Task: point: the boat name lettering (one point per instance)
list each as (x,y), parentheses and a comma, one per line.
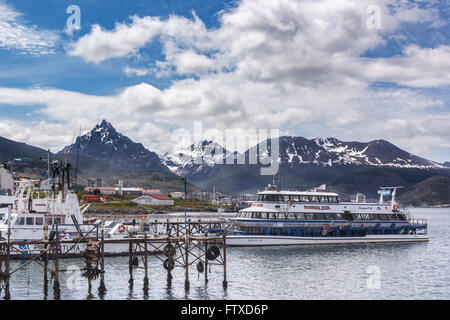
(317,207)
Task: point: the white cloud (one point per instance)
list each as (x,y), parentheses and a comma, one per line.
(418,67)
(129,71)
(15,34)
(293,65)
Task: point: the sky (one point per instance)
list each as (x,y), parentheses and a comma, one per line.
(355,70)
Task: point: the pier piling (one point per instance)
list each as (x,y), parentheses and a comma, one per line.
(102,287)
(181,251)
(130,262)
(145,264)
(56,288)
(206,261)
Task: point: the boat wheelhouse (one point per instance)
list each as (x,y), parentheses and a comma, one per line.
(316,217)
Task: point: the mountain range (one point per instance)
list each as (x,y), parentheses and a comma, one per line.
(347,167)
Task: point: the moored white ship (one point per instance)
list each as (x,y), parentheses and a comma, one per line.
(302,218)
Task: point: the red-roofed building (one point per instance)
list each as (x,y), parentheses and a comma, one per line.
(154,199)
(152,191)
(103,190)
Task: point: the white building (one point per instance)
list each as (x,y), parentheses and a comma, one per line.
(154,199)
(6,180)
(177,195)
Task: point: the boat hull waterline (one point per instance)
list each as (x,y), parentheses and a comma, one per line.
(255,241)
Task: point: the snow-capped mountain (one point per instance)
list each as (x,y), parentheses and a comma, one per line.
(331,151)
(104,143)
(197,160)
(296,151)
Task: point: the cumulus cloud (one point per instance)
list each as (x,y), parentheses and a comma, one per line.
(16,34)
(294,65)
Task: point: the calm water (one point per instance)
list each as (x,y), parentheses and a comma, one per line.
(407,271)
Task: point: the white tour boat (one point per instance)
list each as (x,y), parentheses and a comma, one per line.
(317,217)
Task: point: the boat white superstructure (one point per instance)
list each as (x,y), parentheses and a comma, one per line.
(283,217)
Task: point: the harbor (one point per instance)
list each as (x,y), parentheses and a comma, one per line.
(407,271)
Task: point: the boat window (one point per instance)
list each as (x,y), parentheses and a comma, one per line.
(354,216)
(281,216)
(256,215)
(57,220)
(260,197)
(300,216)
(339,216)
(314,198)
(291,216)
(320,216)
(30,221)
(392,217)
(309,216)
(304,198)
(322,199)
(382,217)
(329,216)
(286,197)
(272,215)
(20,221)
(48,221)
(295,198)
(263,215)
(39,221)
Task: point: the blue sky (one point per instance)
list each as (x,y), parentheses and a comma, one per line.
(309,68)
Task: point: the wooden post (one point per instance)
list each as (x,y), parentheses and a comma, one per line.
(225,283)
(130,262)
(145,264)
(102,287)
(169,273)
(206,260)
(186,266)
(7,268)
(45,257)
(56,289)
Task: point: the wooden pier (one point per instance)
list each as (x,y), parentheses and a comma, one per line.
(181,248)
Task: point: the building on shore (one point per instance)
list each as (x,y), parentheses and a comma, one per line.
(177,195)
(103,190)
(6,180)
(151,191)
(154,199)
